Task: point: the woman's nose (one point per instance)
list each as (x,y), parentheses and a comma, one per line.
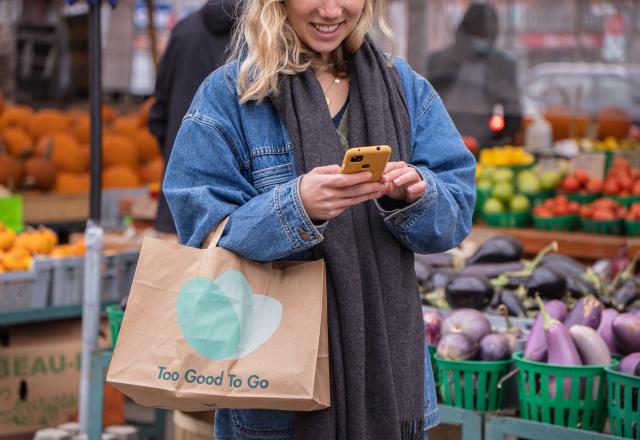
(330,9)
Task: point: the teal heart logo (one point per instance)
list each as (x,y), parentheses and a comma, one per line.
(223,319)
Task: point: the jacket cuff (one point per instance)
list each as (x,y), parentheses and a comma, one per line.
(403,219)
(293,218)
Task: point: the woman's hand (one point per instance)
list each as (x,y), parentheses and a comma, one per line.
(403,182)
(325,193)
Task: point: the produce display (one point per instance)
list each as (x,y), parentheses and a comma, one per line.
(506,156)
(48,150)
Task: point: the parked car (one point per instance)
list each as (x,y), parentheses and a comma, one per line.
(587,87)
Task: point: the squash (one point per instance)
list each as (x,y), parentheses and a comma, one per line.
(15,116)
(152,171)
(109,114)
(81,128)
(119,176)
(16,259)
(37,242)
(126,126)
(72,183)
(147,144)
(17,141)
(613,122)
(118,150)
(11,172)
(39,173)
(63,151)
(7,238)
(48,121)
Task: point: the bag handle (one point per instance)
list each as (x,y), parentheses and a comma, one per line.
(214,236)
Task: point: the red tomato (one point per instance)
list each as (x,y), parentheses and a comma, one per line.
(611,187)
(570,184)
(594,186)
(582,176)
(602,214)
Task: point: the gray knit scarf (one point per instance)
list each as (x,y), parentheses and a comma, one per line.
(374,314)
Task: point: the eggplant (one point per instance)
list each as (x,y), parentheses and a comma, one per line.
(626,331)
(422,271)
(605,329)
(436,260)
(438,279)
(587,311)
(579,287)
(547,282)
(492,270)
(432,327)
(464,291)
(561,349)
(511,332)
(468,321)
(564,264)
(536,347)
(625,294)
(494,347)
(631,364)
(592,348)
(497,250)
(513,304)
(457,346)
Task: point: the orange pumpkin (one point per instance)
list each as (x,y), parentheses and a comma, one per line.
(17,141)
(126,126)
(118,150)
(80,128)
(11,172)
(39,173)
(71,183)
(119,176)
(63,151)
(48,121)
(16,116)
(152,171)
(148,145)
(109,114)
(16,259)
(7,238)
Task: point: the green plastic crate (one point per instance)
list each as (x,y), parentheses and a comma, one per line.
(632,228)
(625,201)
(602,227)
(582,198)
(583,406)
(623,404)
(472,385)
(559,223)
(538,199)
(115,315)
(508,219)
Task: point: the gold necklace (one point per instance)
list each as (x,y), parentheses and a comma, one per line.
(335,80)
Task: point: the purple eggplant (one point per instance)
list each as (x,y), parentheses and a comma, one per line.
(512,303)
(605,329)
(631,364)
(536,347)
(494,347)
(626,331)
(593,349)
(435,260)
(438,279)
(492,270)
(432,327)
(468,321)
(587,311)
(547,282)
(626,294)
(566,264)
(469,291)
(457,346)
(497,250)
(561,349)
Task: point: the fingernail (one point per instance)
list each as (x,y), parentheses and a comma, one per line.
(397,181)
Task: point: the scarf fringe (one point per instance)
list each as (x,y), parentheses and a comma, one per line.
(412,429)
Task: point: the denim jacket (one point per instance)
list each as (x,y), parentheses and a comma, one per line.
(236,160)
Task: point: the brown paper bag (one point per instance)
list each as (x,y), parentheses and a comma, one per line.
(205,328)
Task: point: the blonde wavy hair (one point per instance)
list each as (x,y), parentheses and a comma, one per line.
(266,46)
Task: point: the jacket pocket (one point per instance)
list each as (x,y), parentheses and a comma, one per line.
(266,178)
(263,423)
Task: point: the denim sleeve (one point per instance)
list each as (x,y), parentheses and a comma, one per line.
(441,218)
(207,180)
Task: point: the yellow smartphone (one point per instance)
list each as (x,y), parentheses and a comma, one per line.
(373,159)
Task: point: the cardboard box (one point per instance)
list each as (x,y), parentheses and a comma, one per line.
(39,375)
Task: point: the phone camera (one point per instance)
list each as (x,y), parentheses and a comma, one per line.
(357,158)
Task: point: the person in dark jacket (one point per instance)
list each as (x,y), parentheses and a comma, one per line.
(475,79)
(197,46)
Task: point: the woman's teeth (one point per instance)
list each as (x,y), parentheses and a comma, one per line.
(326,29)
